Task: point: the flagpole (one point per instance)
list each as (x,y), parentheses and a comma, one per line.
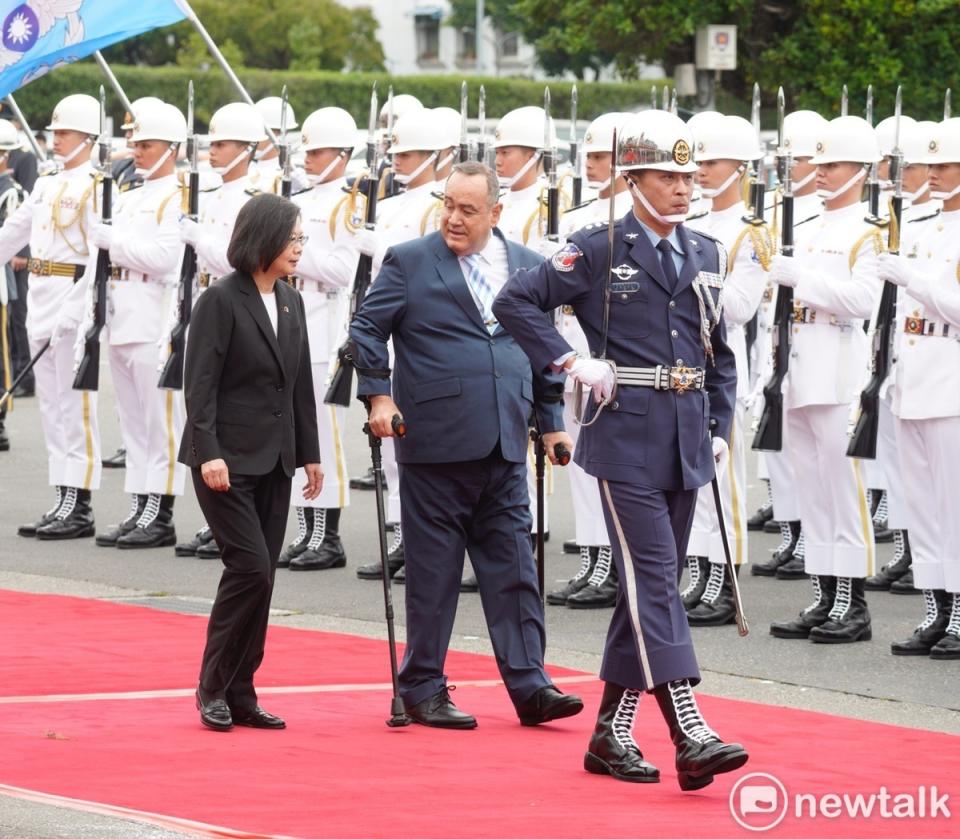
(114,83)
(31,139)
(218,56)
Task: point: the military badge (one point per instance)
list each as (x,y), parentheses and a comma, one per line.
(624,272)
(681,153)
(934,148)
(565,259)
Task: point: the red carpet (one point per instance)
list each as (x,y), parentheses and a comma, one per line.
(339,771)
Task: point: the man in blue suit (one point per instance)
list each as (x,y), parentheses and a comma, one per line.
(466,391)
(661,371)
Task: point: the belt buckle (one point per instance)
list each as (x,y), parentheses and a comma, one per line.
(914,326)
(798,312)
(203,280)
(683,379)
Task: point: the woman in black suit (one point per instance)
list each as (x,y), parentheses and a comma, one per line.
(251,420)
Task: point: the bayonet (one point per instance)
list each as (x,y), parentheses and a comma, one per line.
(947,105)
(674,109)
(286,177)
(191,136)
(372,129)
(653,98)
(665,99)
(550,169)
(575,161)
(844,103)
(464,144)
(104,139)
(756,168)
(482,120)
(870,104)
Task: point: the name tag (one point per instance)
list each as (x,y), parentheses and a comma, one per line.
(626,287)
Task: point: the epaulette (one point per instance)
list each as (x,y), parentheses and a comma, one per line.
(876,221)
(252,190)
(934,214)
(695,216)
(439,195)
(594,227)
(756,221)
(210,188)
(126,186)
(47,174)
(583,204)
(301,191)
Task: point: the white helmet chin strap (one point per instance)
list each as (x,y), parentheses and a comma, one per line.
(599,186)
(405,179)
(713,193)
(146,174)
(314,180)
(676,218)
(804,180)
(507,183)
(223,170)
(946,196)
(446,161)
(829,196)
(913,196)
(64,159)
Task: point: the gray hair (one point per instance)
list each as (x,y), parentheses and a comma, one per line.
(472,168)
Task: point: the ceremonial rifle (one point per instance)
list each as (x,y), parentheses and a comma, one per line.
(947,104)
(863,442)
(575,161)
(757,187)
(873,177)
(653,98)
(88,370)
(482,120)
(844,101)
(171,377)
(286,164)
(28,132)
(769,436)
(665,99)
(341,383)
(464,142)
(550,170)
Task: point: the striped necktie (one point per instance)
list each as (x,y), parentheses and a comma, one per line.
(482,291)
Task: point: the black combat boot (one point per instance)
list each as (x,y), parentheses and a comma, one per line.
(588,560)
(30,530)
(4,439)
(698,571)
(209,550)
(904,585)
(701,753)
(849,619)
(896,568)
(74,519)
(324,550)
(600,592)
(814,615)
(794,568)
(716,607)
(948,647)
(374,570)
(571,547)
(118,460)
(763,514)
(612,749)
(881,531)
(154,527)
(931,630)
(110,537)
(200,538)
(298,545)
(782,554)
(366,481)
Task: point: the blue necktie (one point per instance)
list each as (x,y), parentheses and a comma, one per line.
(483,292)
(666,263)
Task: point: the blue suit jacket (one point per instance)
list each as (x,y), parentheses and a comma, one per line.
(656,438)
(460,389)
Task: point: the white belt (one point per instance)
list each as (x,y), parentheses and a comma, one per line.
(662,377)
(304,284)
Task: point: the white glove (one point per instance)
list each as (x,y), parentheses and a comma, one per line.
(784,270)
(163,352)
(548,247)
(46,167)
(189,231)
(721,454)
(63,327)
(100,236)
(595,374)
(366,241)
(894,268)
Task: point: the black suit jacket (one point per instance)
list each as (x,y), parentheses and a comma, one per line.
(249,392)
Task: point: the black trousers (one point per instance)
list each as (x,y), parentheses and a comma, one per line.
(19,344)
(248,522)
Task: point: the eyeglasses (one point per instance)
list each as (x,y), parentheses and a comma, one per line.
(299,240)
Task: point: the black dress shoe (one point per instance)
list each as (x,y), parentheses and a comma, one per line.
(469,585)
(118,460)
(210,550)
(201,537)
(571,547)
(400,578)
(215,714)
(547,704)
(395,560)
(438,711)
(257,718)
(366,482)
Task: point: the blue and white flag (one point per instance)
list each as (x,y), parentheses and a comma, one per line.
(36,36)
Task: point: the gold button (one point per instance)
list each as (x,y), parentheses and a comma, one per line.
(911,342)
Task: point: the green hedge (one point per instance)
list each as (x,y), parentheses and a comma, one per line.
(311,90)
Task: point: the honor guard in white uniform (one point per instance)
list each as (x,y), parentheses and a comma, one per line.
(390,112)
(834,279)
(723,149)
(415,146)
(265,171)
(926,399)
(801,129)
(595,584)
(144,245)
(700,204)
(12,196)
(54,221)
(235,131)
(327,267)
(447,121)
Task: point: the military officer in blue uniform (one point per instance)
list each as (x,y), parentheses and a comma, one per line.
(660,373)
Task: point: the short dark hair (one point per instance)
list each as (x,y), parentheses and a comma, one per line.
(262,232)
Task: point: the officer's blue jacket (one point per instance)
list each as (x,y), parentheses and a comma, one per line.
(656,438)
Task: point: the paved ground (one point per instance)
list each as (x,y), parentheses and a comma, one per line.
(861,680)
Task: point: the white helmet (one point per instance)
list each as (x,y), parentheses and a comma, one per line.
(523,127)
(9,138)
(403,103)
(237,121)
(447,122)
(886,129)
(77,112)
(129,118)
(269,109)
(159,121)
(699,121)
(328,128)
(915,140)
(599,134)
(417,131)
(847,140)
(656,140)
(727,138)
(801,130)
(944,145)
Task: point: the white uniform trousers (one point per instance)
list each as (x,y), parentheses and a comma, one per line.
(838,530)
(783,483)
(930,470)
(589,524)
(336,485)
(532,488)
(151,421)
(68,417)
(705,539)
(889,462)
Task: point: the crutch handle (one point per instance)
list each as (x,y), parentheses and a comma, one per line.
(562,454)
(399,425)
